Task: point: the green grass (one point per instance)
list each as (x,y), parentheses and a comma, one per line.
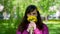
(54,28)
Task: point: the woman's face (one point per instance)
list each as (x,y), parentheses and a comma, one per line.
(33,13)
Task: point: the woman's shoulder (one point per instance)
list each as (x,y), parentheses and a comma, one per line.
(45,29)
(45,26)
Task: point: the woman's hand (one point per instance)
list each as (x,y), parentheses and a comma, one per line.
(31,24)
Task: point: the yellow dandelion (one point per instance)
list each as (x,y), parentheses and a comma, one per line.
(32,18)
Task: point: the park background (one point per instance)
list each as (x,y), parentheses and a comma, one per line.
(12,11)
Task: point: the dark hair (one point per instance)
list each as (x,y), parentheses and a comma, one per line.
(24,23)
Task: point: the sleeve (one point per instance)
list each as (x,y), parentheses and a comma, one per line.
(45,30)
(18,32)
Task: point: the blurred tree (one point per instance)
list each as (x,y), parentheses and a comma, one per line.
(45,4)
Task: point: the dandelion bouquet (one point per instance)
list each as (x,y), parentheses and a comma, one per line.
(32,18)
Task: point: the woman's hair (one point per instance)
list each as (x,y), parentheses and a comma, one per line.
(24,23)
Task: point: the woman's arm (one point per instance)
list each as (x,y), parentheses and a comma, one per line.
(45,30)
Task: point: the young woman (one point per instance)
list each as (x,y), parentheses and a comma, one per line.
(39,26)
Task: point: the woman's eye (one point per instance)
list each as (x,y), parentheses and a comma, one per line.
(29,13)
(33,13)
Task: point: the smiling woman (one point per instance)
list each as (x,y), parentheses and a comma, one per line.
(38,26)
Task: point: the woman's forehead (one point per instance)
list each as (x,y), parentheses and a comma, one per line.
(34,11)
